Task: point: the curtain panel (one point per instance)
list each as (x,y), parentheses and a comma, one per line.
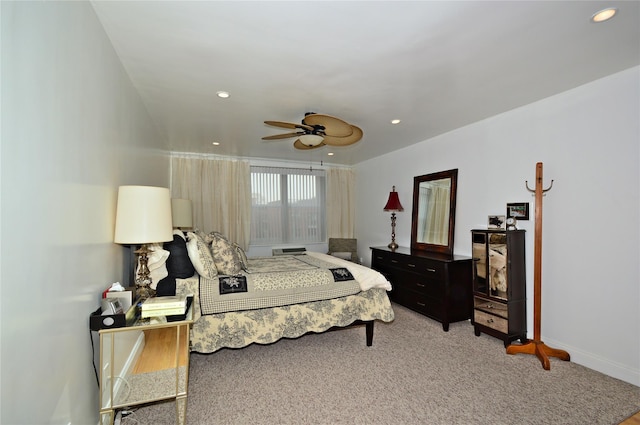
(340,203)
(220,193)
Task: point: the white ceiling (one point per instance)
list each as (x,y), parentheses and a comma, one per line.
(436,65)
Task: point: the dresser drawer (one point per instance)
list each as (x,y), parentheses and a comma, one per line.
(493,307)
(491,321)
(420,284)
(429,268)
(418,302)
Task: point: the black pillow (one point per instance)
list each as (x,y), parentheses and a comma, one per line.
(166,287)
(178,264)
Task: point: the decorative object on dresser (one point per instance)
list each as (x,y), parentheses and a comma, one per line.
(143,216)
(434,212)
(499,284)
(536,346)
(393,205)
(518,210)
(436,285)
(181,213)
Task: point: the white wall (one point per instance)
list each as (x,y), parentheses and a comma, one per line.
(73,130)
(588,140)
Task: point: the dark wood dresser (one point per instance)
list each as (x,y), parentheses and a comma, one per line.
(438,286)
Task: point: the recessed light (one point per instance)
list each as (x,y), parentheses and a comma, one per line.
(604,15)
(330,153)
(216,143)
(223,94)
(396,121)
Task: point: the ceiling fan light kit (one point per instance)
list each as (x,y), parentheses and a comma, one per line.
(311,139)
(317,130)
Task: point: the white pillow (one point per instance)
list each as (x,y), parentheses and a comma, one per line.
(200,256)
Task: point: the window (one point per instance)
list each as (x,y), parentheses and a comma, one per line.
(287,206)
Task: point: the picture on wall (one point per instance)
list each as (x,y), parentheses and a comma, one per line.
(519,210)
(496,222)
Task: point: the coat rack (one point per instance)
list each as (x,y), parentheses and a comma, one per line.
(536,346)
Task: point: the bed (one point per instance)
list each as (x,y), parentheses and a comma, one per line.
(291,299)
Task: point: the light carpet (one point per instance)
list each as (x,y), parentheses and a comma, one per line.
(415,373)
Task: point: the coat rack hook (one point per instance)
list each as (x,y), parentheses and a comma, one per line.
(526,183)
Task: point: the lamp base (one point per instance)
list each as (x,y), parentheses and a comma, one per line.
(393,245)
(144,289)
(143,279)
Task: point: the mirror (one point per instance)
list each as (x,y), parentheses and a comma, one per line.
(434,212)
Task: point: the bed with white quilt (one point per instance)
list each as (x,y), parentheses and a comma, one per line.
(239,301)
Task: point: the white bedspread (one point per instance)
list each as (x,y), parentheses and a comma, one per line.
(366,277)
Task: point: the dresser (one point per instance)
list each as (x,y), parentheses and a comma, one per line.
(438,286)
(499,284)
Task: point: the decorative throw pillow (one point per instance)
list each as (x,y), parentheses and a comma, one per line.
(200,256)
(242,256)
(224,255)
(178,264)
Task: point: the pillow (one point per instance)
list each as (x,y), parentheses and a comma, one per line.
(225,256)
(242,256)
(178,264)
(200,256)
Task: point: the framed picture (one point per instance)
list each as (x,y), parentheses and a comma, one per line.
(496,222)
(519,210)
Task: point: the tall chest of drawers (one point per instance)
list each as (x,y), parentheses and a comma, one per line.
(437,286)
(499,284)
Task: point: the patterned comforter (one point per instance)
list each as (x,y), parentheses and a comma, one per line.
(276,281)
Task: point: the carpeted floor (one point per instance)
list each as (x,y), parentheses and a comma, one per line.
(413,374)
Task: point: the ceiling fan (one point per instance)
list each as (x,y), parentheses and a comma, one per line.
(317,130)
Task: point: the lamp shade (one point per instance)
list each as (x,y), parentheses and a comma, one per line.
(181,213)
(393,203)
(143,215)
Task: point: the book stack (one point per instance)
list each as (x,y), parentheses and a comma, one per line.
(164,306)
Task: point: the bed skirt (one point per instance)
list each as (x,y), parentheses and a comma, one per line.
(212,332)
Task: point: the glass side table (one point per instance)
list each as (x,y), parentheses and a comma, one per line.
(145,362)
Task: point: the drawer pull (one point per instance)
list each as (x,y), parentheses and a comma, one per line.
(421,304)
(422,285)
(394,261)
(431,270)
(489,320)
(411,265)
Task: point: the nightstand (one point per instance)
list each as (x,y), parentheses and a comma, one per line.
(142,363)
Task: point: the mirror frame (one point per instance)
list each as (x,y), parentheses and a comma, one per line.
(421,246)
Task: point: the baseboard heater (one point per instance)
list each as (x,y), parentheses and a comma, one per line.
(289,251)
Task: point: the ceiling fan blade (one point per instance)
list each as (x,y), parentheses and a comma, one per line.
(299,145)
(282,136)
(355,136)
(282,124)
(332,126)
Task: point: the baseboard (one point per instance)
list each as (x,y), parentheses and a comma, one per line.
(598,363)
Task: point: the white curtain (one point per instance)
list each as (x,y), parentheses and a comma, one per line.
(340,203)
(220,193)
